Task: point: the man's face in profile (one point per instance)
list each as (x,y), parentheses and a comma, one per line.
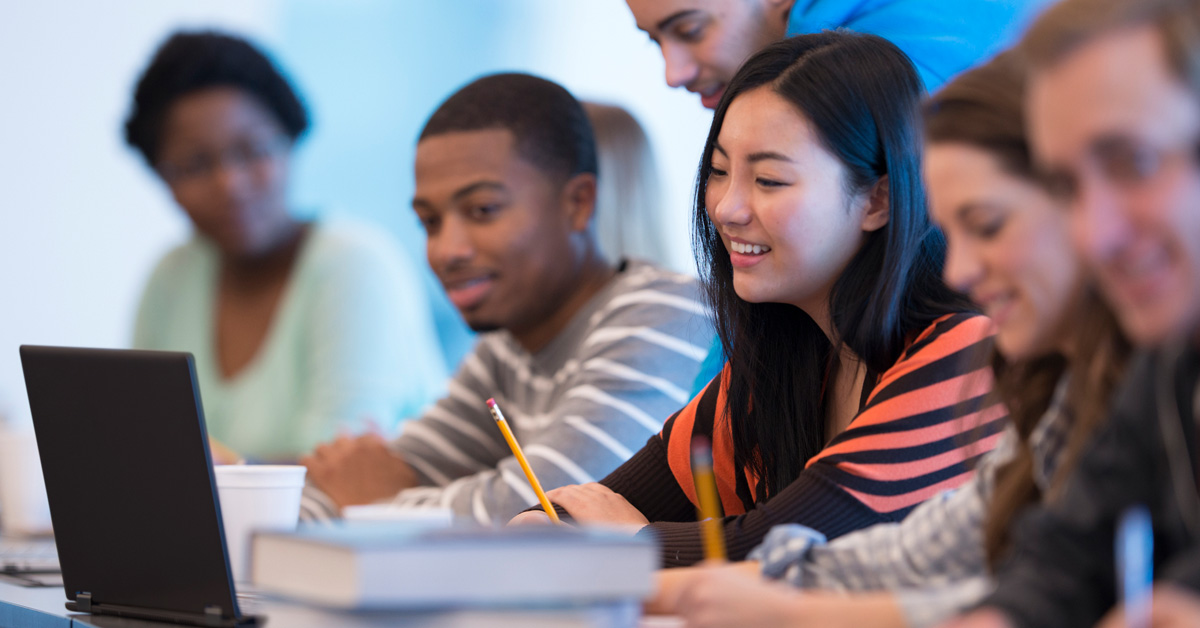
(704,42)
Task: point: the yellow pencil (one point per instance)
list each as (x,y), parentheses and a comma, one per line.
(516,449)
(706,493)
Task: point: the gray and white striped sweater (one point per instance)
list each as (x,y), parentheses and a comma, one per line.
(579,407)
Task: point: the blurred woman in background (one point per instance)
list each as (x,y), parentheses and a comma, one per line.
(629,203)
(299,329)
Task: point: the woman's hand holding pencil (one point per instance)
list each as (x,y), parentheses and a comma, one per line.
(587,503)
(596,504)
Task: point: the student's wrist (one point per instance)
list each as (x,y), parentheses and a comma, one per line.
(830,610)
(750,566)
(404,476)
(984,617)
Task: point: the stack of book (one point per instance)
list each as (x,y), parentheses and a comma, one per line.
(524,576)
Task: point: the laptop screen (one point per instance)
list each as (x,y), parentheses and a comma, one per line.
(125,457)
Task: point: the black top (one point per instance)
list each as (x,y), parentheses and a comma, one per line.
(1062,572)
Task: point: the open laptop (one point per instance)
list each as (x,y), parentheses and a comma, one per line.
(128,474)
(29,562)
(22,555)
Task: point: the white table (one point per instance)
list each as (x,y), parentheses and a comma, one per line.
(22,607)
(35,608)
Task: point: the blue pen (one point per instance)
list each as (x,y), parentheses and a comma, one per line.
(1135,564)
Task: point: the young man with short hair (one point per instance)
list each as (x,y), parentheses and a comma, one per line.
(704,42)
(586,358)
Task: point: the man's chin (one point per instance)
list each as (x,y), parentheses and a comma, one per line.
(711,100)
(482,327)
(1151,326)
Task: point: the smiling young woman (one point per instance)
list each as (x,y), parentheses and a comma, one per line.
(1009,249)
(856,384)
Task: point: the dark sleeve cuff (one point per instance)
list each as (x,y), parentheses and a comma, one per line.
(1184,569)
(562,513)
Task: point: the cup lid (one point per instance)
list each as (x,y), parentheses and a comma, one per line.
(259,475)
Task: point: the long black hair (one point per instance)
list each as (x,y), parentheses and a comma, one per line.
(862,96)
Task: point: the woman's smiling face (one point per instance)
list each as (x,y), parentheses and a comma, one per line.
(780,201)
(1009,247)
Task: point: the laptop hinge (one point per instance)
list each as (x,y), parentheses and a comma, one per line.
(84,601)
(212,615)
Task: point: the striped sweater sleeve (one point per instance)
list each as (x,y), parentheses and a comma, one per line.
(925,423)
(455,438)
(632,368)
(940,542)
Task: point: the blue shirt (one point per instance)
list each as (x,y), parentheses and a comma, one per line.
(942,37)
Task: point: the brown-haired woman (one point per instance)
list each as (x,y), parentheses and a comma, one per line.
(1113,105)
(1008,249)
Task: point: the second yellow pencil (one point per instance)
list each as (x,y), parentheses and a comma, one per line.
(709,504)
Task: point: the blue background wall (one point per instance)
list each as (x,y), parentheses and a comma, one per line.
(82,219)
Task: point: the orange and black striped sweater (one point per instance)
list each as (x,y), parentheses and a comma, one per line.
(919,431)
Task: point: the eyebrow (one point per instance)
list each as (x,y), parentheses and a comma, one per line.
(768,154)
(1110,142)
(666,22)
(966,209)
(461,193)
(762,155)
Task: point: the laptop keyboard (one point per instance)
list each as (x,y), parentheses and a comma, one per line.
(28,555)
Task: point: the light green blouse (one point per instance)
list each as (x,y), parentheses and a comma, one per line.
(352,340)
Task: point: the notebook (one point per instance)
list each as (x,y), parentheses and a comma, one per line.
(20,555)
(133,503)
(29,562)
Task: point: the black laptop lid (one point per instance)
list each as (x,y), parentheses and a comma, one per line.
(125,456)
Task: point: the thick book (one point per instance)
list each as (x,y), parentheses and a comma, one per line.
(369,566)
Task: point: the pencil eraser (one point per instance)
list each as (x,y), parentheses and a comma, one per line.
(491,402)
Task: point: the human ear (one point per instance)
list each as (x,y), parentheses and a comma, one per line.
(878,206)
(579,200)
(781,10)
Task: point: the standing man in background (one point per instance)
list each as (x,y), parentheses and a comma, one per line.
(704,42)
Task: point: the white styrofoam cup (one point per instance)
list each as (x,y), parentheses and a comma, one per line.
(23,506)
(256,497)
